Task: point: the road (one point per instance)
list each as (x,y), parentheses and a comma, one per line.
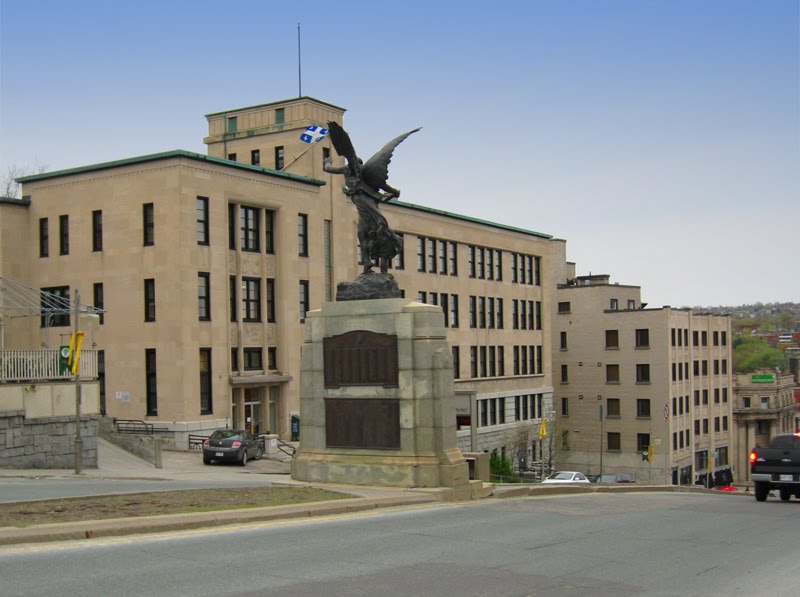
(596,544)
(23,489)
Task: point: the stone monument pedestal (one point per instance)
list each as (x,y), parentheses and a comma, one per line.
(377,405)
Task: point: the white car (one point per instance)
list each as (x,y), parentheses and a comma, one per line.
(565,477)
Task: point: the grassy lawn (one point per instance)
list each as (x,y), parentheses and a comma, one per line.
(22,514)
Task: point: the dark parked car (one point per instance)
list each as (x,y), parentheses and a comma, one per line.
(232,445)
(616,478)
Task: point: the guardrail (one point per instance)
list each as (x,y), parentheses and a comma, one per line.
(137,427)
(42,364)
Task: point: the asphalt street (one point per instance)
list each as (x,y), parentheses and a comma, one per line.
(614,544)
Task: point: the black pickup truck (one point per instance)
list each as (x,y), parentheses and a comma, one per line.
(777,467)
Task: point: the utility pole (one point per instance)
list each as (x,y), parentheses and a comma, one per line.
(77,378)
(600,415)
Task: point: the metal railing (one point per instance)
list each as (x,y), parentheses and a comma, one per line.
(43,364)
(135,426)
(287,449)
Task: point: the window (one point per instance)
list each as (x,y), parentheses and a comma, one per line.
(612,408)
(564,374)
(44,238)
(302,235)
(63,235)
(233,306)
(614,304)
(270,300)
(279,158)
(631,304)
(442,250)
(269,228)
(151,389)
(642,373)
(563,340)
(280,115)
(456,362)
(715,338)
(642,442)
(746,401)
(454,311)
(473,361)
(643,408)
(202,221)
(614,441)
(272,358)
(253,359)
(248,218)
(235,359)
(420,254)
(50,317)
(642,338)
(399,261)
(232,226)
(704,338)
(150,299)
(255,157)
(612,373)
(563,307)
(232,157)
(204,296)
(304,300)
(705,426)
(612,338)
(705,397)
(251,299)
(452,253)
(148,225)
(565,407)
(716,425)
(97,230)
(205,381)
(233,124)
(97,299)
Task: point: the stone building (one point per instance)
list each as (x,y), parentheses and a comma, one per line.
(206,266)
(644,391)
(763,407)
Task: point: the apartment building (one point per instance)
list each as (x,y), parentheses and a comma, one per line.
(206,265)
(644,391)
(763,407)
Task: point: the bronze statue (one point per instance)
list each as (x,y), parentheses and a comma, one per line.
(363,184)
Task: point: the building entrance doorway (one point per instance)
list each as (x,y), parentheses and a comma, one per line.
(253,417)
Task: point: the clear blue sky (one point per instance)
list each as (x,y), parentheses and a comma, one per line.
(659,138)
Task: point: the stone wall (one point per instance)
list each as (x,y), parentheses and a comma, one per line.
(45,442)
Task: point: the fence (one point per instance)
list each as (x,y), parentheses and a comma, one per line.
(42,365)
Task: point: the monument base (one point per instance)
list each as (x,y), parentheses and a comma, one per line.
(377,400)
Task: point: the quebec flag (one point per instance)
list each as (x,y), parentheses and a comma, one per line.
(313,134)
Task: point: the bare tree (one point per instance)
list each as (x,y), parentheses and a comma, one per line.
(9,187)
(519,442)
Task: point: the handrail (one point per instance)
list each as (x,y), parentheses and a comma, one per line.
(287,449)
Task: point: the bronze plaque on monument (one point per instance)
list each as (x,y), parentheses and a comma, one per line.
(362,423)
(360,358)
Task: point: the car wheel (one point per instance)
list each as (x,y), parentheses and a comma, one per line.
(762,490)
(786,495)
(243,461)
(259,453)
(206,460)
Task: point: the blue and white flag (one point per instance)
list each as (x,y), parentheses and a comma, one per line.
(313,134)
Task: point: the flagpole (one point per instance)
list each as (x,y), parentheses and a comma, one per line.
(299,71)
(304,152)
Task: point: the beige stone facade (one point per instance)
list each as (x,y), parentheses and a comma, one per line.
(205,266)
(630,378)
(763,407)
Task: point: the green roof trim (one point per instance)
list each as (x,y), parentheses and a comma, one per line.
(469,219)
(15,201)
(294,99)
(177,153)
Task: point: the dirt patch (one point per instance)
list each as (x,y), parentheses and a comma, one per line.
(23,514)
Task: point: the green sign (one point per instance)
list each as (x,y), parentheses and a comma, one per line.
(63,360)
(763,378)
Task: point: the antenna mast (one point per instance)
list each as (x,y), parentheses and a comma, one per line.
(299,71)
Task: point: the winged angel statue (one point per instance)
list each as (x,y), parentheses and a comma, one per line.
(366,186)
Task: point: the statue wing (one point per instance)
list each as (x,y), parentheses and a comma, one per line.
(342,144)
(376,171)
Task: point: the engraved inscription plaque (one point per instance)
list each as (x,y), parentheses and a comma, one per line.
(362,423)
(360,358)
